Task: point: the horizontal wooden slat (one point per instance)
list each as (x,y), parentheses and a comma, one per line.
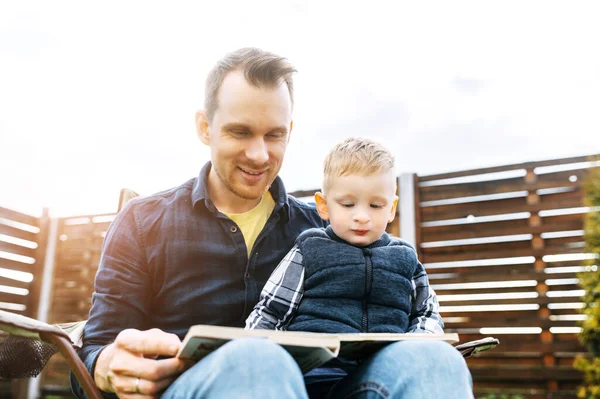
(541,300)
(488,290)
(571,199)
(9,282)
(65,220)
(473,230)
(560,179)
(517,166)
(550,180)
(18,233)
(17,266)
(304,193)
(480,276)
(91,242)
(11,298)
(526,373)
(522,246)
(19,217)
(16,249)
(85,230)
(496,229)
(435,193)
(464,253)
(512,345)
(517,323)
(569,263)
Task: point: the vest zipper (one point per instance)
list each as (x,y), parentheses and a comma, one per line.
(368,283)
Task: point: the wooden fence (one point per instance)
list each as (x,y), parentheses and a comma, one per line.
(22,255)
(502,246)
(79,242)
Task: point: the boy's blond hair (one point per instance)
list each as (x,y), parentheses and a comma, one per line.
(356,155)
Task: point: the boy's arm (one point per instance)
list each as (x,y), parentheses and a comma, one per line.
(280,296)
(424,316)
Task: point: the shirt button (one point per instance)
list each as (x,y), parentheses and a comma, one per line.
(233,229)
(247,276)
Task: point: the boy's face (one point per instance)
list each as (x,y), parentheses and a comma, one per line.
(359,207)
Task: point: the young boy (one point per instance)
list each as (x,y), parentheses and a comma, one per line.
(352,276)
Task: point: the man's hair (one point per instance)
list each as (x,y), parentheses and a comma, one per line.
(260,68)
(356,156)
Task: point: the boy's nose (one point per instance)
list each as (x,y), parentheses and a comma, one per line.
(257,151)
(361,216)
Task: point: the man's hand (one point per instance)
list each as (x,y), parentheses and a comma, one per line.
(128,367)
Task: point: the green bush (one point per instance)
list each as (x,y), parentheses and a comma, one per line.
(590,282)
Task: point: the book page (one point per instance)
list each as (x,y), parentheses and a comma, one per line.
(361,346)
(390,337)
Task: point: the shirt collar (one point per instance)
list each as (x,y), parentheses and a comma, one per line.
(200,194)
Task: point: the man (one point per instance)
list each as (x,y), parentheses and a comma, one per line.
(201,252)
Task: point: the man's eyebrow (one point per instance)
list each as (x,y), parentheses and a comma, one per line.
(243,126)
(235,125)
(281,128)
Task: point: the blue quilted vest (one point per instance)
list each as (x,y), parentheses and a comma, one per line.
(349,289)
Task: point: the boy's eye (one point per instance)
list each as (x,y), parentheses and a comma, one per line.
(376,206)
(347,205)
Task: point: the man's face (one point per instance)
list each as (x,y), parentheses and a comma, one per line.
(248,136)
(360,207)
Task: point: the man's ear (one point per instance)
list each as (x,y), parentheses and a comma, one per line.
(393,212)
(322,205)
(202,129)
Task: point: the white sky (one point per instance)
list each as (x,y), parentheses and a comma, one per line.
(96,97)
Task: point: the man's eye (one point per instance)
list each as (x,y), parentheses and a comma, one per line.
(276,135)
(239,132)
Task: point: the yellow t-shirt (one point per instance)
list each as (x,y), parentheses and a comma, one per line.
(252,222)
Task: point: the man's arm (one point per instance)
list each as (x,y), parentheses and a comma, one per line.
(280,296)
(424,316)
(122,291)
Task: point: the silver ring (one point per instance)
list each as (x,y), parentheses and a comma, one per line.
(137,385)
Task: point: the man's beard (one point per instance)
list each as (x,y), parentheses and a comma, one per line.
(242,194)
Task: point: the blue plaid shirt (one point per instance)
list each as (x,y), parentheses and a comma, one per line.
(172,260)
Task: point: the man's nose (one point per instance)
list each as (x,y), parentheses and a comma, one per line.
(257,151)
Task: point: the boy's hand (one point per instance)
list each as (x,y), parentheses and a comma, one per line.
(128,367)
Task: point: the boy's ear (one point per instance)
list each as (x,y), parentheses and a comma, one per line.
(322,205)
(393,211)
(202,127)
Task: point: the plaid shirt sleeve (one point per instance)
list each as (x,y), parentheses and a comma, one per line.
(280,296)
(425,315)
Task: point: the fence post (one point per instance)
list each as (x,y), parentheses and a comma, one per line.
(406,206)
(33,391)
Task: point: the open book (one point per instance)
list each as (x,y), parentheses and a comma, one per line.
(310,350)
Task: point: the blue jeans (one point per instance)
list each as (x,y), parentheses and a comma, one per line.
(257,368)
